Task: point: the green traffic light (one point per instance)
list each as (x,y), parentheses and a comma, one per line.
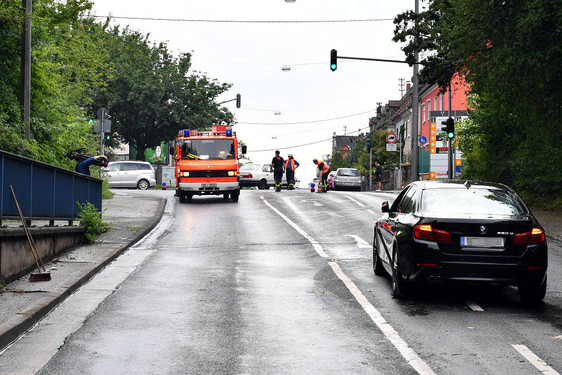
(333,66)
(451,135)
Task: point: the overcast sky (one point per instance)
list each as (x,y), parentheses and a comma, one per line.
(247,43)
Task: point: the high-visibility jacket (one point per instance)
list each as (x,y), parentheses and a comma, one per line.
(324,167)
(291,163)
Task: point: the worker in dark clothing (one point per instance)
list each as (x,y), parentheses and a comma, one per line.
(278,165)
(324,169)
(290,165)
(84,166)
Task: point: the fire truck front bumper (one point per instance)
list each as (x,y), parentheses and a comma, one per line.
(209,188)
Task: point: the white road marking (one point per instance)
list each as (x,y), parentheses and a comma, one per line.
(315,203)
(371,212)
(360,242)
(358,203)
(314,243)
(408,353)
(535,361)
(473,305)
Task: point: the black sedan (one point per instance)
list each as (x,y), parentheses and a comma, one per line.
(452,231)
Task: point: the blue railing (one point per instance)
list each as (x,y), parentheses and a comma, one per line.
(43,191)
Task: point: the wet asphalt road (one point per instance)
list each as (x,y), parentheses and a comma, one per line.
(282,283)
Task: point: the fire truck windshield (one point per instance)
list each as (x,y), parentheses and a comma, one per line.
(208,149)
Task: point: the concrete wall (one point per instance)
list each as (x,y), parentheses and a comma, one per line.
(16,257)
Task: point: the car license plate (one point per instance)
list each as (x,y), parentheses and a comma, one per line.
(212,185)
(493,242)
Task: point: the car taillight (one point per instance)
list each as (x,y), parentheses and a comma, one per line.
(249,176)
(536,235)
(427,233)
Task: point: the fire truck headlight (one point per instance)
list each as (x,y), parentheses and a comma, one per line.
(184,174)
(232,173)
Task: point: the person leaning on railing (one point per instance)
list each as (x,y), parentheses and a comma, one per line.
(84,166)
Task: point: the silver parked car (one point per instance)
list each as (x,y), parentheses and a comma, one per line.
(346,178)
(260,175)
(130,174)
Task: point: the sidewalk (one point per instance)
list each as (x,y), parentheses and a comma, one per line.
(23,303)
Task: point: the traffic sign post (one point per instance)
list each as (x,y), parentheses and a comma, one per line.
(391,138)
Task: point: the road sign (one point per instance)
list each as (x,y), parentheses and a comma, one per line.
(423,140)
(102,113)
(391,138)
(100,126)
(391,147)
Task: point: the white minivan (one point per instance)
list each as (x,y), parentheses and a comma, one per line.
(130,174)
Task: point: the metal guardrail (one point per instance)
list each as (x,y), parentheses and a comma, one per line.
(44,192)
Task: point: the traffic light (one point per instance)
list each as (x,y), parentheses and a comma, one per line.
(333,60)
(369,144)
(107,137)
(238,100)
(449,127)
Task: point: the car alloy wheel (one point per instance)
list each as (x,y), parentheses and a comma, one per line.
(143,184)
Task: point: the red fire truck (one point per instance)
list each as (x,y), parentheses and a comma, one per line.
(207,163)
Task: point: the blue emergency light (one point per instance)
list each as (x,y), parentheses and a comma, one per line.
(186,133)
(229,132)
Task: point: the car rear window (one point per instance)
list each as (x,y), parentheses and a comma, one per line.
(348,172)
(144,166)
(249,167)
(477,201)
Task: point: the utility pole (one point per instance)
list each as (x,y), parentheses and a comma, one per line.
(401,85)
(415,103)
(26,68)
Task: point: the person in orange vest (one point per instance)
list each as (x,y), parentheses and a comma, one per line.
(290,165)
(278,165)
(324,169)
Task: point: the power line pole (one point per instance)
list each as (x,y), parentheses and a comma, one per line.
(415,103)
(26,68)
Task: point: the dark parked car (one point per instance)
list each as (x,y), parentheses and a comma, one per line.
(469,232)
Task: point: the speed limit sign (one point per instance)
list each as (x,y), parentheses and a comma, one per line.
(391,138)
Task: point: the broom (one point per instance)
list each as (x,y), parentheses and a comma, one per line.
(42,275)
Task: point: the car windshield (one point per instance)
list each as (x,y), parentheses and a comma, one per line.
(205,149)
(348,172)
(476,201)
(249,167)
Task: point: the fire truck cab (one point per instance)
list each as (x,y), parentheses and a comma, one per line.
(207,163)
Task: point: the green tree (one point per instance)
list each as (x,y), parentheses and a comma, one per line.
(151,95)
(63,72)
(510,54)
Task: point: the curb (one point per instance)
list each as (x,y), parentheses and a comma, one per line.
(24,320)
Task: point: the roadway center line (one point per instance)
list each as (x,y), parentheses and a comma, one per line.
(535,361)
(408,353)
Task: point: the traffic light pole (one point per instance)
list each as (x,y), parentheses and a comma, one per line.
(102,139)
(451,140)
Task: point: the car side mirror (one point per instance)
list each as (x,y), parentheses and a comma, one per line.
(244,149)
(172,151)
(184,150)
(385,207)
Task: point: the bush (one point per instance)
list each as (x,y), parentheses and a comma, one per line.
(90,218)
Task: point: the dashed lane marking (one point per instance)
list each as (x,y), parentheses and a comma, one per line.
(473,305)
(357,202)
(360,242)
(535,361)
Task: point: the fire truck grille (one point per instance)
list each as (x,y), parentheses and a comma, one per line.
(208,174)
